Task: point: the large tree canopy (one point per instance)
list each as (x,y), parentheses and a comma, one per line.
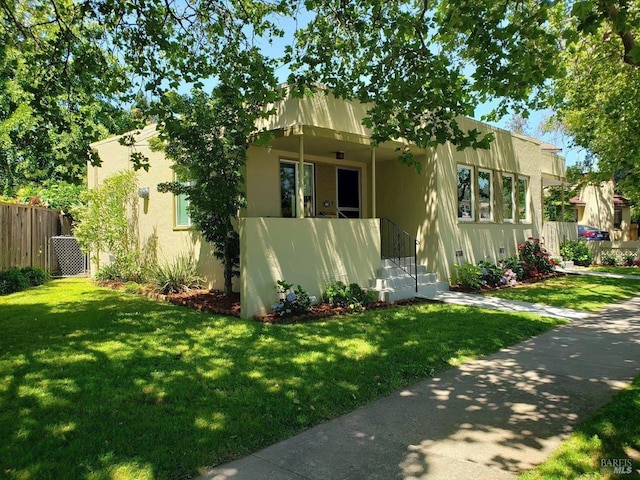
(420,63)
(598,102)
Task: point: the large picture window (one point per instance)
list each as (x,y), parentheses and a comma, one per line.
(289,189)
(465,193)
(485,195)
(523,199)
(507,197)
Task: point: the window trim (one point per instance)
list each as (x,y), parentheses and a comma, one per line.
(296,165)
(472,201)
(176,199)
(491,196)
(511,219)
(527,199)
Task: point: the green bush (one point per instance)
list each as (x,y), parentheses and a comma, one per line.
(467,275)
(628,259)
(515,265)
(338,294)
(576,251)
(292,302)
(492,274)
(18,279)
(609,259)
(535,257)
(181,275)
(35,276)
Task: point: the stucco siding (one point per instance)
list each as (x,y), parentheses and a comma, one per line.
(155,214)
(307,251)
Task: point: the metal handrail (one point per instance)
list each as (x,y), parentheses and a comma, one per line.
(397,245)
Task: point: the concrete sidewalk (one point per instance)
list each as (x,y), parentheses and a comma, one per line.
(487,419)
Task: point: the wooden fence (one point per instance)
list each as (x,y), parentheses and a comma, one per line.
(25,232)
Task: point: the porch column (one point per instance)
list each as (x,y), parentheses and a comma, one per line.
(373,182)
(300,199)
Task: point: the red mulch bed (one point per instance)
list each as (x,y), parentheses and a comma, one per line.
(323,310)
(213,301)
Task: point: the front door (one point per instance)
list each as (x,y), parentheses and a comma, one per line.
(348,180)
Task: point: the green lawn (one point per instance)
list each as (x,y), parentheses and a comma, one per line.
(617,270)
(101,384)
(580,292)
(612,433)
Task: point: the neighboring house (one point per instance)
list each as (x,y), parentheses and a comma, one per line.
(600,207)
(316,194)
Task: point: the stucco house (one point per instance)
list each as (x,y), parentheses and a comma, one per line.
(600,207)
(316,196)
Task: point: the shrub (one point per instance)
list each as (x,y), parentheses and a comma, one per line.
(18,279)
(576,251)
(535,257)
(292,302)
(492,274)
(352,296)
(515,265)
(609,259)
(178,276)
(628,259)
(35,276)
(467,276)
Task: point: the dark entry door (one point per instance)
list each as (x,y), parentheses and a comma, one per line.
(348,192)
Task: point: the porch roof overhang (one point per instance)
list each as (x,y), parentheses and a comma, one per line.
(325,142)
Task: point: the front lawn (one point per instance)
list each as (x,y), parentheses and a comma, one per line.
(609,438)
(98,384)
(579,292)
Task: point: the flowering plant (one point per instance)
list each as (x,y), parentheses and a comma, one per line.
(535,257)
(292,302)
(509,278)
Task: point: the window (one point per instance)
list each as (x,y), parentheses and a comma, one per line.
(617,218)
(465,193)
(289,189)
(523,199)
(507,197)
(485,195)
(182,218)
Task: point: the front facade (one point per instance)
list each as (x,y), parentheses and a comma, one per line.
(316,193)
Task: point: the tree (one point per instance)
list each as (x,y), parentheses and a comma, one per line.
(207,138)
(598,104)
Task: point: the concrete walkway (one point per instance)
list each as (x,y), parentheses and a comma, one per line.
(488,419)
(495,303)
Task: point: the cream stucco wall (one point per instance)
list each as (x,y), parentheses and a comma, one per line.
(155,215)
(426,203)
(598,210)
(309,251)
(263,181)
(322,110)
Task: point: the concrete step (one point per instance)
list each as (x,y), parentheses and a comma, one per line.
(396,271)
(402,281)
(430,290)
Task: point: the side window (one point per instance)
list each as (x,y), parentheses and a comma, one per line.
(465,194)
(182,217)
(507,197)
(485,195)
(523,199)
